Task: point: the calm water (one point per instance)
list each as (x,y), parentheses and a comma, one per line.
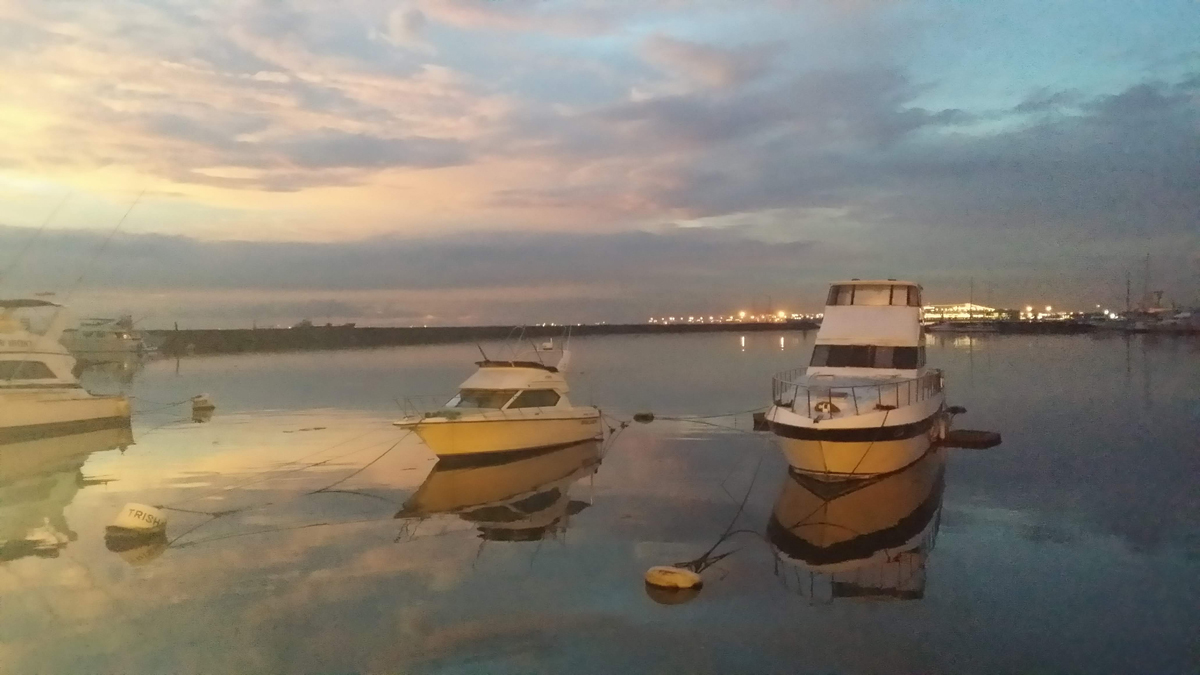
(1073,547)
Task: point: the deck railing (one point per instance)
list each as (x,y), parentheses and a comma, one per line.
(792,387)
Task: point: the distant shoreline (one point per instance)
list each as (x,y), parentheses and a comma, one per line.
(322,338)
(319,338)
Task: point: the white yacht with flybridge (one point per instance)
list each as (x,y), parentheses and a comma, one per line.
(40,396)
(513,406)
(103,340)
(866,404)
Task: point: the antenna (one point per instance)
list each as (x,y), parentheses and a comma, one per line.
(1146,283)
(103,245)
(1128,307)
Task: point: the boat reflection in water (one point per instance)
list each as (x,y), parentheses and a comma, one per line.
(863,539)
(121,368)
(524,498)
(38,480)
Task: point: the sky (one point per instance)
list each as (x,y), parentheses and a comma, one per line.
(509,161)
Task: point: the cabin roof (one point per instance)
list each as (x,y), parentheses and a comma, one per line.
(875,282)
(515,364)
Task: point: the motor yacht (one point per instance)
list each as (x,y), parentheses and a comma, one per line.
(524,498)
(103,340)
(40,396)
(866,538)
(515,406)
(866,404)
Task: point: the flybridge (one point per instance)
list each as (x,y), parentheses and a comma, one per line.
(885,293)
(883,314)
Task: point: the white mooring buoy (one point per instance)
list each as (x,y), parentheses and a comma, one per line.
(138,520)
(202,403)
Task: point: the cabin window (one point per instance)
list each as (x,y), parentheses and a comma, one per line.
(25,370)
(914,296)
(874,295)
(866,356)
(535,398)
(484,398)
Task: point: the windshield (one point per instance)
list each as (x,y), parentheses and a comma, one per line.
(483,398)
(867,356)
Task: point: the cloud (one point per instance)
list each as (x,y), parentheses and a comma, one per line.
(328,148)
(481,278)
(576,19)
(707,65)
(289,120)
(406,27)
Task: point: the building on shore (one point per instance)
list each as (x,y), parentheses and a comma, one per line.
(964,311)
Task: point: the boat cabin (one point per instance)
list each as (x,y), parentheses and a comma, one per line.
(870,328)
(511,385)
(29,359)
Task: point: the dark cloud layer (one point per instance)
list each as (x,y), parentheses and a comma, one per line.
(480,260)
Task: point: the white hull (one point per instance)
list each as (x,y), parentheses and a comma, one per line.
(858,446)
(34,414)
(491,433)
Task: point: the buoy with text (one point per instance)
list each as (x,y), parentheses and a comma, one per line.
(137,520)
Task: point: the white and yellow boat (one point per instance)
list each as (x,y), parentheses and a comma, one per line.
(506,407)
(40,397)
(866,404)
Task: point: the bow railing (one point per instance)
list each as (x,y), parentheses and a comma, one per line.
(808,395)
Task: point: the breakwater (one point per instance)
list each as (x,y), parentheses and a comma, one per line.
(242,340)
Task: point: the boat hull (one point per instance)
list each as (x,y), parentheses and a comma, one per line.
(869,448)
(467,439)
(33,416)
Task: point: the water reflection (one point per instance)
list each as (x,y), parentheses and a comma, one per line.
(864,539)
(523,499)
(119,368)
(38,480)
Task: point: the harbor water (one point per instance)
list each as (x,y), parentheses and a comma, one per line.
(308,534)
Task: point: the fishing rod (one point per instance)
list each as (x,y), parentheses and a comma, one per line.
(104,245)
(33,238)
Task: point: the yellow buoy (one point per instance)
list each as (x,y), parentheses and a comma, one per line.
(664,576)
(672,585)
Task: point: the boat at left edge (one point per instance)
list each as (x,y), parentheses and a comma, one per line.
(40,396)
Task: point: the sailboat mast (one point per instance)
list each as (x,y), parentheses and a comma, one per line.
(1128,307)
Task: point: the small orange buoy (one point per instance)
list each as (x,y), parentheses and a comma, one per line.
(664,576)
(672,585)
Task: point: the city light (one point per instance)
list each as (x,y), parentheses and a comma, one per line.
(778,316)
